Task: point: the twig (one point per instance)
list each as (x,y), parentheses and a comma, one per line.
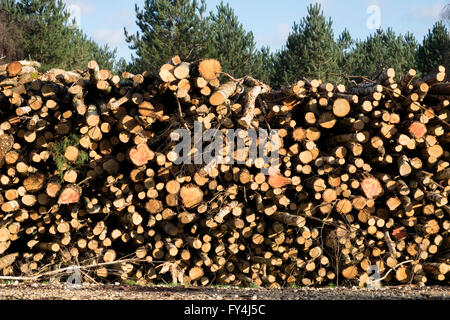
(84,181)
(384,277)
(231,77)
(180,113)
(390,243)
(264,107)
(64,270)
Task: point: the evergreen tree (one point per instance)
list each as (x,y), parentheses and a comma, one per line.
(345,45)
(83,49)
(410,47)
(121,66)
(50,36)
(434,50)
(9,33)
(234,47)
(383,49)
(345,41)
(168,28)
(267,62)
(310,50)
(180,27)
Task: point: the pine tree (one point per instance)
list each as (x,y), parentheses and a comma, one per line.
(345,45)
(410,47)
(50,37)
(383,49)
(434,50)
(267,62)
(121,66)
(9,33)
(310,50)
(345,41)
(83,49)
(48,32)
(234,47)
(168,28)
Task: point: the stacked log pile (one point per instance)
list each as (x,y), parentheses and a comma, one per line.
(89,175)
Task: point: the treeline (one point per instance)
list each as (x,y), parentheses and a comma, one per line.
(43,30)
(185,28)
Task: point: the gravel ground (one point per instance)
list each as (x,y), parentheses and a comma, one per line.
(119,292)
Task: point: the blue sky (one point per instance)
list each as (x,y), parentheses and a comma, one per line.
(269,20)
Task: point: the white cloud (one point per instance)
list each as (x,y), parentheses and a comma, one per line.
(78,9)
(108,36)
(85,8)
(276,39)
(431,12)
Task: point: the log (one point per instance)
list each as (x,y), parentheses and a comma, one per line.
(209,69)
(141,155)
(363,170)
(341,107)
(181,71)
(71,153)
(34,182)
(371,187)
(70,194)
(8,260)
(289,219)
(14,68)
(417,130)
(225,91)
(191,195)
(350,272)
(249,115)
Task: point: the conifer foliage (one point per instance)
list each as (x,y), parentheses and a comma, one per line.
(168,28)
(310,50)
(49,35)
(434,49)
(182,27)
(43,30)
(231,44)
(382,49)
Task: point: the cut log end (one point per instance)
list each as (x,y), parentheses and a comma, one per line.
(196,273)
(299,134)
(93,65)
(350,272)
(4,234)
(344,206)
(371,188)
(191,196)
(141,155)
(341,107)
(71,153)
(278,181)
(154,206)
(209,69)
(14,68)
(34,182)
(70,195)
(417,130)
